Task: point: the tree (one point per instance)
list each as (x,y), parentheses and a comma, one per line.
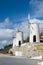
(6,49)
(27,40)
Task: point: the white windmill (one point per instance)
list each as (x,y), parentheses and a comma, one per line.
(34,31)
(18,40)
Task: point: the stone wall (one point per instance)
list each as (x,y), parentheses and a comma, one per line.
(28,50)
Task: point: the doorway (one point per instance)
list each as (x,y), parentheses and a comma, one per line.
(19,43)
(34,38)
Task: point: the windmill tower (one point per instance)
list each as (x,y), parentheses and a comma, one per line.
(34,32)
(18,40)
(19,37)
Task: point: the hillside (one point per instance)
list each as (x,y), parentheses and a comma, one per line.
(6,49)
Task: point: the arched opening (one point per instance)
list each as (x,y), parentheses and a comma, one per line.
(19,43)
(34,38)
(11,52)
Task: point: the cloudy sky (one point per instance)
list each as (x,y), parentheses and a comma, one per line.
(14,15)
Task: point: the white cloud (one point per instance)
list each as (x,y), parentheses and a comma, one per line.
(24,28)
(6,33)
(6,24)
(37,6)
(34,20)
(3,42)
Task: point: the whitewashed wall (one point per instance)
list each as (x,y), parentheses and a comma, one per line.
(34,30)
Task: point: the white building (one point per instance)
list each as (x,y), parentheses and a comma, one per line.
(34,33)
(26,49)
(19,39)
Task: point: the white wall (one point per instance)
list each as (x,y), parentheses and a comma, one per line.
(19,37)
(14,42)
(34,30)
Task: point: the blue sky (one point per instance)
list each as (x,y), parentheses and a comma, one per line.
(19,9)
(14,15)
(14,9)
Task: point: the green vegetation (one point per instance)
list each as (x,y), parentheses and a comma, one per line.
(27,39)
(6,49)
(39,47)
